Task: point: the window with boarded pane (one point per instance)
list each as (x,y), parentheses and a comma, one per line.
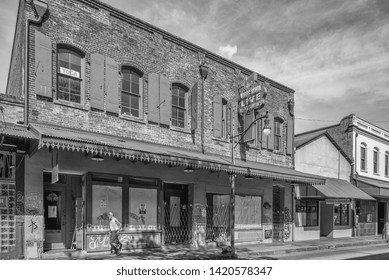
(341,214)
(69,78)
(363,158)
(131,92)
(178,106)
(277,134)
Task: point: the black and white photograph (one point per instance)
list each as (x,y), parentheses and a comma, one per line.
(226,131)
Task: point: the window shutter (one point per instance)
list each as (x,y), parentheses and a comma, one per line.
(248,119)
(112,85)
(264,137)
(270,144)
(290,136)
(165,100)
(194,106)
(43,65)
(217,116)
(97,81)
(234,106)
(153,96)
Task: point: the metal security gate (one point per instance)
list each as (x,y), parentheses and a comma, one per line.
(218,222)
(178,215)
(278,215)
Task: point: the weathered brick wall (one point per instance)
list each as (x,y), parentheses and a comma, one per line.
(96,31)
(13,109)
(343,135)
(15,75)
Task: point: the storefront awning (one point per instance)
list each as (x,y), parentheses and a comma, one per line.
(17,131)
(96,143)
(335,188)
(374,187)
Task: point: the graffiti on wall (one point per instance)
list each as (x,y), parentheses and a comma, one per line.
(33,204)
(286,219)
(130,241)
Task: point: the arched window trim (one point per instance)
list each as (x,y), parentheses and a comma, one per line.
(66,78)
(126,106)
(180,113)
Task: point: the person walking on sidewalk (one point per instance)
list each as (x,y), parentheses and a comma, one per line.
(114,227)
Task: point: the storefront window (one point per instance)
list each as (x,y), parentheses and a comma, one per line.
(7,217)
(105,199)
(143,208)
(341,214)
(307,212)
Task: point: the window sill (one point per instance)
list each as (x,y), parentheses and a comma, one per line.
(342,227)
(376,174)
(221,140)
(364,171)
(70,104)
(130,118)
(252,147)
(183,130)
(309,228)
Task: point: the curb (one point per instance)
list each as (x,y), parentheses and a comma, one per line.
(311,248)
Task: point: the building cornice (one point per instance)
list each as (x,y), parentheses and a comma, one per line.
(179,41)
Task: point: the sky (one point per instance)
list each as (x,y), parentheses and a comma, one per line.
(333,53)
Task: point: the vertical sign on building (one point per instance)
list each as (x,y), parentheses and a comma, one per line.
(54,165)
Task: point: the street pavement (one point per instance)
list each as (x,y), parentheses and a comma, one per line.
(269,251)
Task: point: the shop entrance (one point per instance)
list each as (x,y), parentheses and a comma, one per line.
(60,210)
(381,216)
(177,227)
(278,214)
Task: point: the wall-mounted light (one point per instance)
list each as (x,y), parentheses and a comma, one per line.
(188,170)
(248,177)
(267,128)
(266,205)
(291,107)
(97,158)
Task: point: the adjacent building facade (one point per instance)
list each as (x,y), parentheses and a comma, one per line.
(326,210)
(120,116)
(366,146)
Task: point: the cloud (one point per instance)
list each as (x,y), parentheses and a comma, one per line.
(228,50)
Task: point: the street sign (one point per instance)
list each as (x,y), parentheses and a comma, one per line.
(337,201)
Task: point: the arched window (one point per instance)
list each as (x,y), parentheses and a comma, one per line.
(363,157)
(278,134)
(131,92)
(376,156)
(179,105)
(69,75)
(387,164)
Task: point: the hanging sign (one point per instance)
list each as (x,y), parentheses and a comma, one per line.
(52,211)
(253,97)
(55,168)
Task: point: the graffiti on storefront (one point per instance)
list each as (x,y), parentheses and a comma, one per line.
(286,229)
(33,204)
(33,225)
(130,241)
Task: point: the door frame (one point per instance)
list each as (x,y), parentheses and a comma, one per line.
(381,225)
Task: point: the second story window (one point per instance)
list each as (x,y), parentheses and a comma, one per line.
(131,92)
(387,164)
(363,157)
(69,76)
(277,134)
(178,106)
(375,161)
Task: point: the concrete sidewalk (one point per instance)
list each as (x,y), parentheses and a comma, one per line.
(243,251)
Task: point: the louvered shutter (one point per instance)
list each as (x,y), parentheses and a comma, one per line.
(112,85)
(43,65)
(194,106)
(97,81)
(234,108)
(217,116)
(290,136)
(153,98)
(264,137)
(165,100)
(249,135)
(270,144)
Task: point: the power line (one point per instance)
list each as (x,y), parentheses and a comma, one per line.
(315,120)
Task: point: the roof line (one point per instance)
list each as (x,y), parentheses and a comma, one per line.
(175,39)
(317,129)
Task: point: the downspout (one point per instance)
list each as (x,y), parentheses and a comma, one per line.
(38,19)
(204,74)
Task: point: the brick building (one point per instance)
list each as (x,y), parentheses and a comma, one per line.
(131,119)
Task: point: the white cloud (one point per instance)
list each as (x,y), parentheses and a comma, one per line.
(228,50)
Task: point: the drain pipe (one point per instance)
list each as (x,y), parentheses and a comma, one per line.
(39,13)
